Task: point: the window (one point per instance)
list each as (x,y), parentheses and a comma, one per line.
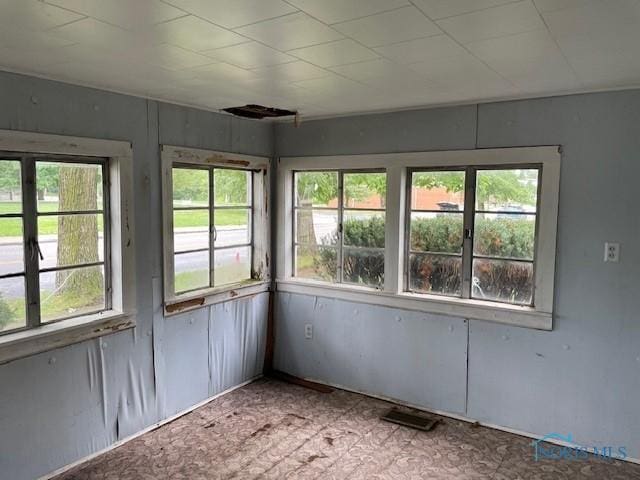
(467,233)
(340,226)
(472,233)
(212,235)
(215,226)
(66,255)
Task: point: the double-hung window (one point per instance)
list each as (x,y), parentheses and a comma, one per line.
(65,260)
(335,214)
(468,233)
(215,225)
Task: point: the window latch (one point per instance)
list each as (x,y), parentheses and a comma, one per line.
(467,233)
(35,248)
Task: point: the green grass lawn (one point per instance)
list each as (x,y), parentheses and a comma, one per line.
(200,279)
(12,227)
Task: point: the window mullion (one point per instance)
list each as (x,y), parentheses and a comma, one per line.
(30,225)
(340,256)
(212,228)
(467,242)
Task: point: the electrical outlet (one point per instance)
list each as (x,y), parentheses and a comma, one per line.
(611,252)
(308,331)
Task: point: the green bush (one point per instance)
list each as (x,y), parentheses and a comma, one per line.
(501,237)
(6,313)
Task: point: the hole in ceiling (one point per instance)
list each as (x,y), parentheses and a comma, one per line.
(258,111)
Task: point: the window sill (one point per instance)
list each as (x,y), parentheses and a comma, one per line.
(61,334)
(472,309)
(210,296)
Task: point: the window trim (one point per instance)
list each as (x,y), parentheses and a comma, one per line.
(260,224)
(121,314)
(397,164)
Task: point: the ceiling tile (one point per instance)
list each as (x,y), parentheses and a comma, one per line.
(390,27)
(195,34)
(223,71)
(172,57)
(531,60)
(292,72)
(250,55)
(383,74)
(123,13)
(437,9)
(93,32)
(493,22)
(234,13)
(25,40)
(545,6)
(334,11)
(422,49)
(34,15)
(340,52)
(296,30)
(331,86)
(594,17)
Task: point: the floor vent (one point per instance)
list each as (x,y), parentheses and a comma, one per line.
(421,422)
(258,111)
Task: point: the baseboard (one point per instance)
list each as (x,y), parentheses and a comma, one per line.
(455,416)
(145,430)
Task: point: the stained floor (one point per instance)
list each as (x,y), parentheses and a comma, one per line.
(274,430)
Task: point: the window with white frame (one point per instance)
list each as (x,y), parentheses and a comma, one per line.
(66,231)
(215,228)
(472,233)
(468,233)
(339,221)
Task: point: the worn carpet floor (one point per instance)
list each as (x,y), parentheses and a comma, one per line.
(274,430)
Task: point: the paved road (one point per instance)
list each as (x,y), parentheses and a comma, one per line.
(11,254)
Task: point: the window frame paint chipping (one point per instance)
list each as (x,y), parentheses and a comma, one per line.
(121,312)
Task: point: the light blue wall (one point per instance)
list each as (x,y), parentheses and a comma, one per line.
(581,378)
(63,405)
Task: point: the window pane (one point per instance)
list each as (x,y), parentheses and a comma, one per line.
(73,292)
(498,235)
(64,187)
(437,190)
(10,187)
(437,232)
(317,227)
(503,281)
(317,263)
(190,187)
(191,271)
(12,303)
(440,274)
(190,230)
(364,228)
(232,265)
(11,246)
(318,189)
(507,190)
(364,266)
(233,226)
(365,190)
(66,240)
(232,187)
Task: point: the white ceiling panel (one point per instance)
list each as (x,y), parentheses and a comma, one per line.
(326,56)
(234,13)
(195,34)
(296,30)
(250,55)
(399,25)
(292,72)
(34,14)
(493,22)
(334,11)
(331,54)
(128,14)
(422,49)
(437,9)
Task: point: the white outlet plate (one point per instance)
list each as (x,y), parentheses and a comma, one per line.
(308,331)
(611,252)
